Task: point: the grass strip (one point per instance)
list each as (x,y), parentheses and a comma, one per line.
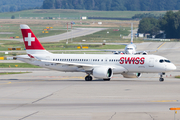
(178,76)
(17,65)
(7,73)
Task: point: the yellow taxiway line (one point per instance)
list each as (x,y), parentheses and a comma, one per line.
(161,45)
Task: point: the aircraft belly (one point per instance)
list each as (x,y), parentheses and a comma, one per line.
(66,68)
(119,70)
(31,61)
(136,68)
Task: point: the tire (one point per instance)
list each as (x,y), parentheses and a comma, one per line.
(161,79)
(107,79)
(88,78)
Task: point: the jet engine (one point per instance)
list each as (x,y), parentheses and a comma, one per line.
(102,72)
(131,75)
(145,53)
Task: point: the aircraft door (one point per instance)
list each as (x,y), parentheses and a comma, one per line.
(151,62)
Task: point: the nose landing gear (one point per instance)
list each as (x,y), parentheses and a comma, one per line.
(161,79)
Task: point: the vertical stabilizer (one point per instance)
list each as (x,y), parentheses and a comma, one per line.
(32,44)
(131,33)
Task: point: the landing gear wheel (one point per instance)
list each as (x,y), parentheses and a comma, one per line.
(161,79)
(88,78)
(108,79)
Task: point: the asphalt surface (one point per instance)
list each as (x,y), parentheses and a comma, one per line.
(46,94)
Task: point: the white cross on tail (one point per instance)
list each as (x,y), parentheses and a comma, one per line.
(29,39)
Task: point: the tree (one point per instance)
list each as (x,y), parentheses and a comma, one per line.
(114,5)
(170,24)
(48,4)
(149,25)
(12,17)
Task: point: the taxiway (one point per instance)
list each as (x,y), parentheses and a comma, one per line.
(46,94)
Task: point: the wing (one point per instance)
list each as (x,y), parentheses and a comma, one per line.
(71,64)
(145,52)
(85,67)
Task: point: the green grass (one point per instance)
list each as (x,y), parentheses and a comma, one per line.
(112,36)
(4,47)
(178,76)
(8,41)
(56,46)
(62,46)
(20,65)
(36,30)
(80,52)
(7,73)
(70,13)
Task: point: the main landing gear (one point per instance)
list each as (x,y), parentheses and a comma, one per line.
(108,79)
(88,78)
(161,79)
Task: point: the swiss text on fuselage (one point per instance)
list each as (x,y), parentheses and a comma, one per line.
(132,60)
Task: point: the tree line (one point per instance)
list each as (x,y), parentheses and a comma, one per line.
(18,5)
(113,5)
(147,15)
(170,24)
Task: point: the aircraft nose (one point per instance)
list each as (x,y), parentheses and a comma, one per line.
(129,52)
(171,67)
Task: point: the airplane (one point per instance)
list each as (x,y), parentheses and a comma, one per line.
(100,66)
(130,48)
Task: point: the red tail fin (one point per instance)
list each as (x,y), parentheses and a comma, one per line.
(30,40)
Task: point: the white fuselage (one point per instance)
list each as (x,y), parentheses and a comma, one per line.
(130,49)
(119,63)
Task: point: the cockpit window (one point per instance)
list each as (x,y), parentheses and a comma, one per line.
(161,61)
(129,48)
(167,61)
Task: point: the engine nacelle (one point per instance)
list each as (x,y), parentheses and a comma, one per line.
(131,75)
(102,72)
(144,53)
